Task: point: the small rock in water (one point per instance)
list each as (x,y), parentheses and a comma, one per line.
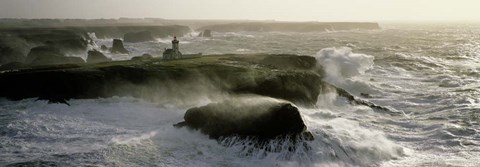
(365,95)
(52,100)
(117,47)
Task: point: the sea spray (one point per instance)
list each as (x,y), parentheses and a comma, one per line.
(342,66)
(343,63)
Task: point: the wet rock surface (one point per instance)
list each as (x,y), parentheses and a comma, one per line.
(235,74)
(117,47)
(8,55)
(49,55)
(262,118)
(95,56)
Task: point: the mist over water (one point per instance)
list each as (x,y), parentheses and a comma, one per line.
(427,75)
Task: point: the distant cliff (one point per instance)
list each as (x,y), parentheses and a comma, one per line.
(291,26)
(120,31)
(100,31)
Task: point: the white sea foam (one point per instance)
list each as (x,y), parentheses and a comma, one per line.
(342,63)
(342,66)
(242,50)
(126,130)
(239,34)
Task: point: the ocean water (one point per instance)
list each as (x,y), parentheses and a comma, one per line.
(427,75)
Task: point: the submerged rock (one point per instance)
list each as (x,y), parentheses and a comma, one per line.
(117,47)
(142,36)
(95,56)
(355,101)
(365,95)
(262,118)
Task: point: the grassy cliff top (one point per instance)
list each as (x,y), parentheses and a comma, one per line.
(290,77)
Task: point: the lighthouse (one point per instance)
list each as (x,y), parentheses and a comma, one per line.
(173,53)
(175,45)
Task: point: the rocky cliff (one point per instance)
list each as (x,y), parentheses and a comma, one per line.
(290,77)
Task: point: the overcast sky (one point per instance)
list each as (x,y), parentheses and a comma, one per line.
(288,10)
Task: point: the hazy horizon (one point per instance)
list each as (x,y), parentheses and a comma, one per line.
(286,10)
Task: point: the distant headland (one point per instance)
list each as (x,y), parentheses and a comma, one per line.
(291,26)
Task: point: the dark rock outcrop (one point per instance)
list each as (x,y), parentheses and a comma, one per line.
(143,36)
(16,43)
(262,118)
(145,56)
(227,73)
(356,101)
(365,95)
(12,66)
(117,47)
(95,56)
(63,39)
(49,55)
(43,51)
(289,62)
(8,55)
(205,33)
(75,43)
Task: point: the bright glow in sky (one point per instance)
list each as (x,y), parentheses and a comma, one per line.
(289,10)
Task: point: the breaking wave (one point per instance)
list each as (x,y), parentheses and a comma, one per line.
(342,66)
